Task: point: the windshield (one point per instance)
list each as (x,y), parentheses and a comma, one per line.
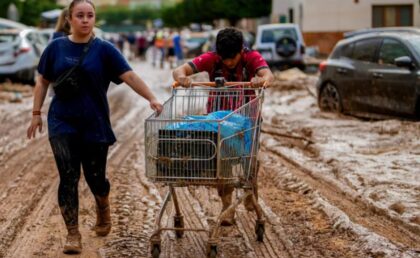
(273,35)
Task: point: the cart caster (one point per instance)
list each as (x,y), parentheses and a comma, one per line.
(212,251)
(156,250)
(179,223)
(259,230)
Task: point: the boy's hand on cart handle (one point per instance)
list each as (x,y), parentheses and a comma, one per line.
(156,106)
(258,82)
(183,81)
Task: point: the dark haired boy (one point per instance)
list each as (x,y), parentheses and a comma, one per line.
(234,62)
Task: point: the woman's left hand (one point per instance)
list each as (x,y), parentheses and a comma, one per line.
(156,106)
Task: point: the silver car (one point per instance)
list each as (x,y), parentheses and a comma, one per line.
(20,50)
(281,45)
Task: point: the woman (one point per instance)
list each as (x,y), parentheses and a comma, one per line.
(79,128)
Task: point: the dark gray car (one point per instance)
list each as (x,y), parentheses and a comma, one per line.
(373,73)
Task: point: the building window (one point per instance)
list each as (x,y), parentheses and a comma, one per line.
(392,15)
(291,16)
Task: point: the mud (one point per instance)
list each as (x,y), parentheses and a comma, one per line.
(330,185)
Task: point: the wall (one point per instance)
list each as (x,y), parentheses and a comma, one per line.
(323,22)
(345,15)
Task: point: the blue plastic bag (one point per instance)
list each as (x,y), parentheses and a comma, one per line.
(239,145)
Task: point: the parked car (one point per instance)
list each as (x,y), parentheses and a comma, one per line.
(193,45)
(372,73)
(9,24)
(281,45)
(20,51)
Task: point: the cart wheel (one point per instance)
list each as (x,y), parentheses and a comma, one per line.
(179,223)
(156,251)
(259,230)
(212,252)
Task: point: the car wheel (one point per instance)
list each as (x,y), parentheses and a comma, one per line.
(286,47)
(330,99)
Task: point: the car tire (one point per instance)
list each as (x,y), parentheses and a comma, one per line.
(286,47)
(30,77)
(330,99)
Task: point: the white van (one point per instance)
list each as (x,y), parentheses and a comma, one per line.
(281,45)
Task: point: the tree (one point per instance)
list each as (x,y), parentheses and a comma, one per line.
(29,10)
(205,11)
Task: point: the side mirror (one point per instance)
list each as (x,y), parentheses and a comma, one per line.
(404,61)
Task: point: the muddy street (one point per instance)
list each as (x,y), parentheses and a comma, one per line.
(330,185)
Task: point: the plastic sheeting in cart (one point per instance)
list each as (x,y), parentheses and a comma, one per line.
(234,124)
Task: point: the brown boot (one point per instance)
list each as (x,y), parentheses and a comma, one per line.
(225,194)
(103,216)
(73,243)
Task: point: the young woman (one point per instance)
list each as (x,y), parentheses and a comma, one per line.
(79,127)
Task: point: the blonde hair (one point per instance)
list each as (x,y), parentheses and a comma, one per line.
(63,24)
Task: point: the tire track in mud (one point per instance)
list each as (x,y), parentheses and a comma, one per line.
(304,230)
(390,235)
(236,241)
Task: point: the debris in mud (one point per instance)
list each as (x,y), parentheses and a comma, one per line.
(294,79)
(398,207)
(415,219)
(12,92)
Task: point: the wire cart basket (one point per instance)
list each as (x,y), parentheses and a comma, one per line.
(205,136)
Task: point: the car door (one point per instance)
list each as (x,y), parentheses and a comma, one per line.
(363,56)
(393,87)
(343,73)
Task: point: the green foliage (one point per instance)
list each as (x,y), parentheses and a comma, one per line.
(119,14)
(205,11)
(29,10)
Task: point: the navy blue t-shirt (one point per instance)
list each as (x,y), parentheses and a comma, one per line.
(88,113)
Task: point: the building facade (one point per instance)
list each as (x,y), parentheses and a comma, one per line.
(323,22)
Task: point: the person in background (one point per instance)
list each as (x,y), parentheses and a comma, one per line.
(160,46)
(79,127)
(234,62)
(141,46)
(178,48)
(170,51)
(62,27)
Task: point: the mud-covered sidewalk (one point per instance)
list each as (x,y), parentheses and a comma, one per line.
(330,185)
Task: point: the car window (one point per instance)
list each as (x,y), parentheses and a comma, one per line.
(272,35)
(344,51)
(364,50)
(31,37)
(7,38)
(390,50)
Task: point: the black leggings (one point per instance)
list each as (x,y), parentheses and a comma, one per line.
(70,151)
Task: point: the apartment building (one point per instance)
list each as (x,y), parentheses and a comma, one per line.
(323,22)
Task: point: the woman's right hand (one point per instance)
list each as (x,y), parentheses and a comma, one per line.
(36,123)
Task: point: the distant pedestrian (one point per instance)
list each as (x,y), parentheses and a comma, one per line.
(79,127)
(160,46)
(178,48)
(141,46)
(170,52)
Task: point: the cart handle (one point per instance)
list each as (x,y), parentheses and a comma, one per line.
(213,84)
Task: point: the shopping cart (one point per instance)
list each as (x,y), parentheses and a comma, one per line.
(205,135)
